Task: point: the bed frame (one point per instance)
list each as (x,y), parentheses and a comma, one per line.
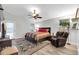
(33,39)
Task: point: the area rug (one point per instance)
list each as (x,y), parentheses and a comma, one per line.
(27,48)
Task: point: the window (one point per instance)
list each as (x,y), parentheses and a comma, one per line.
(10,29)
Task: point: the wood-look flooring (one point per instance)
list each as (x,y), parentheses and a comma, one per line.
(51,50)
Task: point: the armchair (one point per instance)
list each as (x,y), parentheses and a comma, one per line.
(60,39)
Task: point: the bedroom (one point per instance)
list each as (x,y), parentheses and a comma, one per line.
(19,21)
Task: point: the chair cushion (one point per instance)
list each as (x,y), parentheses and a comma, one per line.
(59,34)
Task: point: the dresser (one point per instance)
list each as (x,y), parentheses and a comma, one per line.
(5,43)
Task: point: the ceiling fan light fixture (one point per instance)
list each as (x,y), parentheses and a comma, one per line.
(33,14)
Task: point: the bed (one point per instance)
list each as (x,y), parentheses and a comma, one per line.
(39,35)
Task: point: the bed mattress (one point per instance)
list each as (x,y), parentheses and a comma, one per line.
(41,35)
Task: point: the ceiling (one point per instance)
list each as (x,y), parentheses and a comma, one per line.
(47,11)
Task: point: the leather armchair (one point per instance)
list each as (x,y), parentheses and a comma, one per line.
(60,39)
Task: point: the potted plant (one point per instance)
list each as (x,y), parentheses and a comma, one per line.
(64,24)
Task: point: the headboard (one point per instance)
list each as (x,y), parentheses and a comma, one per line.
(47,28)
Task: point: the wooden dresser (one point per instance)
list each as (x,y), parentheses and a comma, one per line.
(5,43)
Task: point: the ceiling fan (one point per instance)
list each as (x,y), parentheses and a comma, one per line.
(35,15)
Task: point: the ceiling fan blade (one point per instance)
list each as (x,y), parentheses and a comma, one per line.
(29,15)
(39,17)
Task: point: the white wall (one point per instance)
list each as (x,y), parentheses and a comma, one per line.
(21,26)
(54,24)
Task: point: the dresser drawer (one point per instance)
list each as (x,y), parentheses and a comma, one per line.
(5,43)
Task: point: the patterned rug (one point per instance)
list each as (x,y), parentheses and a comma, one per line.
(27,48)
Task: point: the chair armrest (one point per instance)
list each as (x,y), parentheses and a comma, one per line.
(61,38)
(58,38)
(54,38)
